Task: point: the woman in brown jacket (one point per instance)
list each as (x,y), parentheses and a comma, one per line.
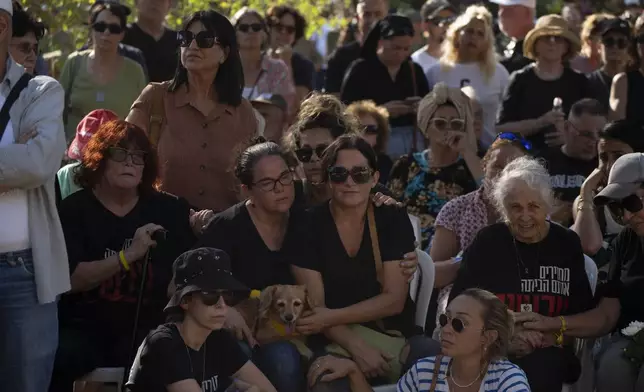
(199,119)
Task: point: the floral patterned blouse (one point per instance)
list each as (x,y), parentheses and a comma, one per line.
(426,190)
(464,216)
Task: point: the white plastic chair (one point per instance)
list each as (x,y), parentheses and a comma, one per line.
(427,270)
(413,285)
(592,272)
(106,376)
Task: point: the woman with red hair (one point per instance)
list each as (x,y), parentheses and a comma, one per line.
(115,224)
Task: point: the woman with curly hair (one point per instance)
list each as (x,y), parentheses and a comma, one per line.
(114,226)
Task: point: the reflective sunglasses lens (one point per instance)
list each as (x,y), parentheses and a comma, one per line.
(361,175)
(338,175)
(304,155)
(185,38)
(457,324)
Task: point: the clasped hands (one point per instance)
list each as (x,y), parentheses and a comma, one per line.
(531,331)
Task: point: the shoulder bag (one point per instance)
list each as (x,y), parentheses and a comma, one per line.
(11,99)
(437,370)
(157,111)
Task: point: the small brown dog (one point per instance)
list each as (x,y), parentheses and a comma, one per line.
(272,317)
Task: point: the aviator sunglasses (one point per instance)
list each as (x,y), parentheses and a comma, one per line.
(204,39)
(305,154)
(359,174)
(113,28)
(632,204)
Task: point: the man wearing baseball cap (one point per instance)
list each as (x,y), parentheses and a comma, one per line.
(192,352)
(33,258)
(436,16)
(516,18)
(273,108)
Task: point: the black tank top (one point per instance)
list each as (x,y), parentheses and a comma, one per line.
(635,97)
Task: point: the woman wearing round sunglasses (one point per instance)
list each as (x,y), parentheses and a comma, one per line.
(192,353)
(262,73)
(100,77)
(349,258)
(116,227)
(476,330)
(203,116)
(427,180)
(461,218)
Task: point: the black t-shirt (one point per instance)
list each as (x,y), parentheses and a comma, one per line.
(349,280)
(626,276)
(634,97)
(164,359)
(253,263)
(515,59)
(303,71)
(338,64)
(94,233)
(599,84)
(567,174)
(161,56)
(555,284)
(369,79)
(529,97)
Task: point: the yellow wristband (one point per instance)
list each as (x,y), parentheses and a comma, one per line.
(564,326)
(255,294)
(124,262)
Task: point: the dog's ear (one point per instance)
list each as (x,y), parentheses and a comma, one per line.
(265,301)
(308,301)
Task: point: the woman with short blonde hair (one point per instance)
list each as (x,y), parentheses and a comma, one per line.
(469,59)
(589,59)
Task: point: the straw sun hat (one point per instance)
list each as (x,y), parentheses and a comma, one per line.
(551,25)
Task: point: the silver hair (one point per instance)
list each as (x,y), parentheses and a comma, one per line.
(528,170)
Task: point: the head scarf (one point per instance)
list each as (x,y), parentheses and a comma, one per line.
(440,95)
(389,27)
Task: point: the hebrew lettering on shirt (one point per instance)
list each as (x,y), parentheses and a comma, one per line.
(210,385)
(123,286)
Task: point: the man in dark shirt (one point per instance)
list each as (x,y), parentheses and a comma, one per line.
(516,18)
(158,43)
(368,13)
(577,158)
(615,38)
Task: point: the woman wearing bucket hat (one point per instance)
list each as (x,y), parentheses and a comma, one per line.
(192,352)
(528,104)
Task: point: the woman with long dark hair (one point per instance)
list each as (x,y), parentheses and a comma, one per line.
(199,117)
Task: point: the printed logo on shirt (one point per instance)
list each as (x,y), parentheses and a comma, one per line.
(124,287)
(210,385)
(548,294)
(565,181)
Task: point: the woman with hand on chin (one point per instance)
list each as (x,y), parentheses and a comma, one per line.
(475,337)
(192,353)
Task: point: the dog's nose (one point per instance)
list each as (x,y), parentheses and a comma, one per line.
(288,317)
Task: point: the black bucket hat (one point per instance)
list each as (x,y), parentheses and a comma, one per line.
(204,270)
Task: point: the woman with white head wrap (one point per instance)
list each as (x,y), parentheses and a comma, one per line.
(427,180)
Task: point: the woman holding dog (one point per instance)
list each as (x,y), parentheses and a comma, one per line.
(349,258)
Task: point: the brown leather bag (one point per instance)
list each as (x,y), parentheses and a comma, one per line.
(437,369)
(157,111)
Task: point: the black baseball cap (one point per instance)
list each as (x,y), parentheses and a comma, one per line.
(432,8)
(616,25)
(204,270)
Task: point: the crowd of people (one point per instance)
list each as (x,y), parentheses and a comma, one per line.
(167,177)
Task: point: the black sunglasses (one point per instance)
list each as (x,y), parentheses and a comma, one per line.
(438,21)
(205,39)
(246,27)
(269,184)
(632,204)
(514,137)
(113,28)
(118,154)
(212,298)
(283,28)
(371,129)
(305,154)
(620,43)
(359,174)
(457,324)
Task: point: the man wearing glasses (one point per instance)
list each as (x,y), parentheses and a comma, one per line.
(27,32)
(436,16)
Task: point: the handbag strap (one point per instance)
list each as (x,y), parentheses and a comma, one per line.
(437,368)
(157,112)
(375,245)
(11,99)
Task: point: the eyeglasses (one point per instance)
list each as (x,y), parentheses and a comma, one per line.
(269,184)
(212,298)
(632,204)
(305,154)
(284,29)
(26,48)
(371,129)
(610,42)
(438,21)
(359,174)
(118,154)
(592,135)
(514,137)
(254,27)
(113,28)
(457,324)
(443,124)
(205,39)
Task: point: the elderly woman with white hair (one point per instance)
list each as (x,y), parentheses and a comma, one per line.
(425,181)
(469,59)
(537,266)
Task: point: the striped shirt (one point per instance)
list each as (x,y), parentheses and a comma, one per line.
(502,376)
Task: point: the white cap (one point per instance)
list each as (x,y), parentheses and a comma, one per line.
(7,5)
(526,3)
